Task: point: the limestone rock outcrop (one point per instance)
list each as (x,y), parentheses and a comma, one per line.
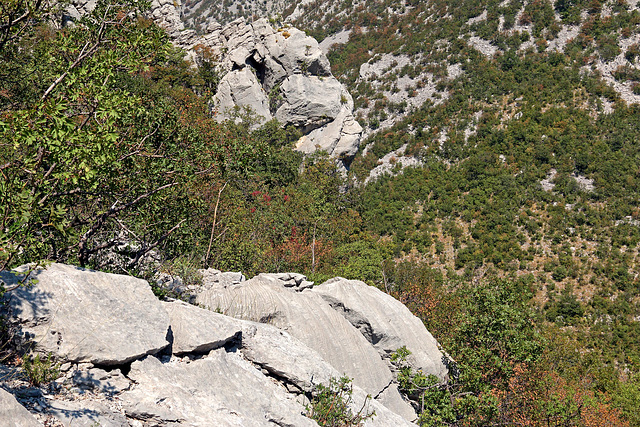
(138,361)
(309,318)
(276,73)
(77,8)
(284,74)
(14,412)
(81,315)
(385,322)
(241,89)
(221,389)
(195,330)
(166,13)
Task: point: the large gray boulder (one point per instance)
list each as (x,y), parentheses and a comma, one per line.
(385,322)
(275,352)
(81,315)
(240,90)
(309,101)
(222,389)
(13,413)
(196,330)
(339,137)
(283,356)
(289,52)
(307,317)
(284,74)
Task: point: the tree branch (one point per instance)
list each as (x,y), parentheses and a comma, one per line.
(84,53)
(213,226)
(145,250)
(113,211)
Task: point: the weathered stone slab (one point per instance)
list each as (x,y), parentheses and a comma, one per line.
(307,317)
(86,413)
(82,315)
(283,356)
(13,413)
(221,389)
(196,330)
(97,379)
(385,322)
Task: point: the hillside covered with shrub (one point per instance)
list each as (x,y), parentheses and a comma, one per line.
(514,236)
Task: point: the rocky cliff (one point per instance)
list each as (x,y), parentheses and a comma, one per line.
(265,74)
(255,357)
(283,74)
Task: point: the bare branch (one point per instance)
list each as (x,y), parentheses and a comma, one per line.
(112,212)
(146,249)
(213,226)
(6,28)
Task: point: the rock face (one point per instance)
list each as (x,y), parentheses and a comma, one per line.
(240,88)
(221,389)
(166,13)
(309,318)
(280,74)
(78,8)
(195,330)
(197,13)
(87,316)
(12,411)
(176,364)
(385,322)
(85,413)
(284,74)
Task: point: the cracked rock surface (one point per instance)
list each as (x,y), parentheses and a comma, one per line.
(385,322)
(309,318)
(81,315)
(209,368)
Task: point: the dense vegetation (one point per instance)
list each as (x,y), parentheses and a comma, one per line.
(528,173)
(110,158)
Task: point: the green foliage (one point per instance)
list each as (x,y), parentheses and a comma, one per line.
(627,398)
(132,152)
(331,405)
(133,162)
(52,179)
(433,397)
(39,370)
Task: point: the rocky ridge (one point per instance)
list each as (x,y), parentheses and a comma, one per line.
(266,73)
(283,74)
(273,73)
(128,359)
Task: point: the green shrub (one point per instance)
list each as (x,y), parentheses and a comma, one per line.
(434,398)
(40,370)
(330,405)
